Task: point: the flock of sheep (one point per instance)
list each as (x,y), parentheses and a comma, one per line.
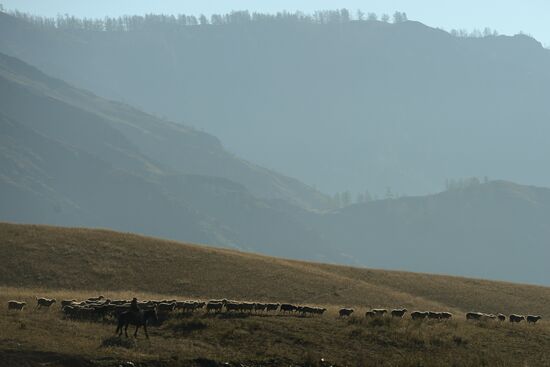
(100,307)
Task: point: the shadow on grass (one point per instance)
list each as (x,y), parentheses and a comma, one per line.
(121,342)
(187,327)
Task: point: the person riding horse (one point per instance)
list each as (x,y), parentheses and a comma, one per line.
(137,317)
(134,306)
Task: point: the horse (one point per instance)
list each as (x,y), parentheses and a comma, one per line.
(139,318)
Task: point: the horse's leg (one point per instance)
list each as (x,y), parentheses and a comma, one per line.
(135,332)
(145,329)
(126,329)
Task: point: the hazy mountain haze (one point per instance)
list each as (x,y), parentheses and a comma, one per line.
(393,107)
(354,106)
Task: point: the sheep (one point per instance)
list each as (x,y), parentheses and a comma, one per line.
(370,314)
(379,311)
(120,301)
(419,315)
(304,310)
(230,306)
(345,312)
(272,307)
(189,306)
(79,312)
(533,318)
(16,305)
(440,315)
(286,307)
(319,310)
(516,318)
(122,308)
(67,302)
(398,312)
(474,316)
(70,311)
(214,306)
(105,310)
(246,306)
(44,302)
(95,299)
(376,312)
(501,317)
(260,306)
(166,307)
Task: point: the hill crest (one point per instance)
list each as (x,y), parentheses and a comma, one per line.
(79,259)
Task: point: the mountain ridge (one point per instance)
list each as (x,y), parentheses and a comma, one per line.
(90,168)
(350,109)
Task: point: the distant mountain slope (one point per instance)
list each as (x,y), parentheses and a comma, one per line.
(45,181)
(179,148)
(84,259)
(497,230)
(352,105)
(70,158)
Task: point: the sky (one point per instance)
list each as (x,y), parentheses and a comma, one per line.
(506,16)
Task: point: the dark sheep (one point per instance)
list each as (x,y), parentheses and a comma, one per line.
(214,306)
(16,305)
(370,314)
(532,319)
(419,315)
(516,318)
(474,316)
(345,312)
(286,307)
(44,302)
(398,312)
(230,306)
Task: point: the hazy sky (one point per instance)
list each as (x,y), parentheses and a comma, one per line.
(506,16)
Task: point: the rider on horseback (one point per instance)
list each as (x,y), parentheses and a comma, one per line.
(136,317)
(134,306)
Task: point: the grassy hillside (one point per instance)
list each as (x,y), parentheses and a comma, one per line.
(34,338)
(79,263)
(62,258)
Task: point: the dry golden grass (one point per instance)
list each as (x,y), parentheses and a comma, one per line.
(270,340)
(79,263)
(85,259)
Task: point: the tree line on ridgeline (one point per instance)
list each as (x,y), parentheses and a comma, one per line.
(129,23)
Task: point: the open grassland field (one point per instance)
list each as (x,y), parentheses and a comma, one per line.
(39,261)
(201,339)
